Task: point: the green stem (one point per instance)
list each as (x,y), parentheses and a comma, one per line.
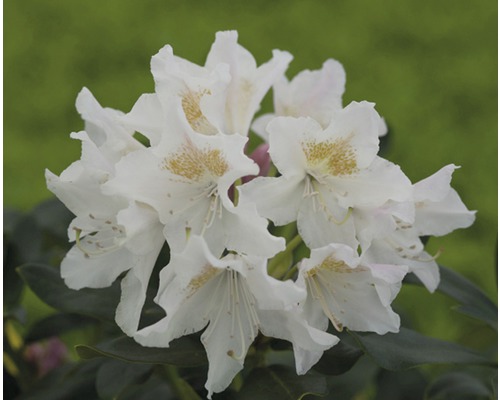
(290,273)
(274,265)
(181,388)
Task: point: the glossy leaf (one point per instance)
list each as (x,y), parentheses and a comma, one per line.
(75,382)
(53,217)
(113,377)
(55,325)
(155,388)
(338,359)
(186,351)
(407,349)
(280,382)
(48,285)
(22,244)
(473,301)
(459,386)
(407,385)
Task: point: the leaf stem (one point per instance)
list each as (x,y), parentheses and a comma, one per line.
(274,265)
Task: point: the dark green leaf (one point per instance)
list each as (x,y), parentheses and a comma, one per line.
(27,241)
(21,245)
(407,349)
(55,325)
(348,386)
(155,388)
(339,359)
(280,382)
(53,217)
(473,302)
(186,351)
(75,382)
(114,376)
(48,285)
(407,385)
(458,386)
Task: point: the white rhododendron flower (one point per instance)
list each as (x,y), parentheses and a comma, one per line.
(188,179)
(234,298)
(325,173)
(312,94)
(222,96)
(206,188)
(351,294)
(112,234)
(438,210)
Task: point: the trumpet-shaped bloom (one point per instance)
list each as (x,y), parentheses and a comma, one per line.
(186,180)
(249,83)
(221,96)
(325,173)
(314,94)
(438,210)
(348,292)
(234,299)
(112,235)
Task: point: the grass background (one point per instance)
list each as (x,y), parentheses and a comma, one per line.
(431,68)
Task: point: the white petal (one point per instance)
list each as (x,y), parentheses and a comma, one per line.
(388,280)
(103,126)
(435,187)
(139,176)
(249,84)
(99,271)
(188,291)
(358,124)
(144,231)
(226,340)
(374,186)
(410,255)
(348,295)
(259,125)
(308,343)
(271,293)
(80,193)
(243,230)
(312,94)
(276,198)
(319,228)
(286,135)
(133,292)
(147,117)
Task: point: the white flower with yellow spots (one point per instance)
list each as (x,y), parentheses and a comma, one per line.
(186,180)
(112,234)
(348,292)
(438,210)
(325,173)
(233,298)
(220,97)
(314,94)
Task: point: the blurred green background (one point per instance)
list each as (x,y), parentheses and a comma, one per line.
(430,66)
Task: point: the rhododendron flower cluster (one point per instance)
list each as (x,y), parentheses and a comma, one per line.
(202,188)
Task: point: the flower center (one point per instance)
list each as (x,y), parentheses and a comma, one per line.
(334,158)
(107,237)
(195,164)
(320,286)
(312,188)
